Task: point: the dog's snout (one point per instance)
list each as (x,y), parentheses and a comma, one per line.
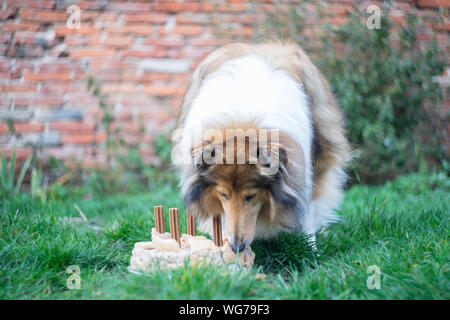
(238,247)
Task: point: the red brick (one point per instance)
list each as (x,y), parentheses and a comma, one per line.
(58,65)
(23,127)
(6,76)
(94,40)
(445,106)
(43,15)
(165,91)
(78,138)
(204,42)
(186,30)
(111,64)
(19,67)
(144,53)
(242,31)
(243,1)
(88,5)
(102,75)
(18,88)
(146,77)
(177,6)
(113,41)
(98,16)
(181,77)
(120,88)
(343,1)
(339,9)
(26,51)
(433,3)
(71,126)
(145,17)
(160,114)
(100,137)
(175,102)
(79,98)
(424,36)
(224,7)
(397,19)
(131,76)
(21,153)
(58,88)
(7,13)
(338,20)
(124,115)
(236,7)
(5,37)
(24,100)
(445,25)
(91,52)
(4,66)
(150,76)
(47,76)
(138,29)
(5,102)
(25,37)
(38,4)
(20,26)
(242,18)
(129,6)
(62,30)
(74,40)
(165,42)
(45,101)
(193,18)
(55,101)
(127,126)
(191,53)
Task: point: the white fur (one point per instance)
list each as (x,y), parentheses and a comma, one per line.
(322,209)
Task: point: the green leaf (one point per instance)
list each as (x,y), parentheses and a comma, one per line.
(24,169)
(12,169)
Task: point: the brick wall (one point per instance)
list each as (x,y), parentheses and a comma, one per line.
(142,51)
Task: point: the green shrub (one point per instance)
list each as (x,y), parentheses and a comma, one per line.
(384,81)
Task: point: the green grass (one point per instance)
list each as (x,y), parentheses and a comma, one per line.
(402,227)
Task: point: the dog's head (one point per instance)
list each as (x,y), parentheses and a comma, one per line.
(243,191)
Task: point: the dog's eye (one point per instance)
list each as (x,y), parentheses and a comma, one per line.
(250,197)
(224,195)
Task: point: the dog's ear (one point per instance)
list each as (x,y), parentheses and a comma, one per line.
(272,163)
(199,195)
(203,155)
(196,189)
(271,159)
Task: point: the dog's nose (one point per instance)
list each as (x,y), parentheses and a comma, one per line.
(239,246)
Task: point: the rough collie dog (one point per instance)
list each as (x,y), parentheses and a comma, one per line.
(260,141)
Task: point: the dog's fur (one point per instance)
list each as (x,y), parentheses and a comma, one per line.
(266,86)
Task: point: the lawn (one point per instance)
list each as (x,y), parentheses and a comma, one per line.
(401,227)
